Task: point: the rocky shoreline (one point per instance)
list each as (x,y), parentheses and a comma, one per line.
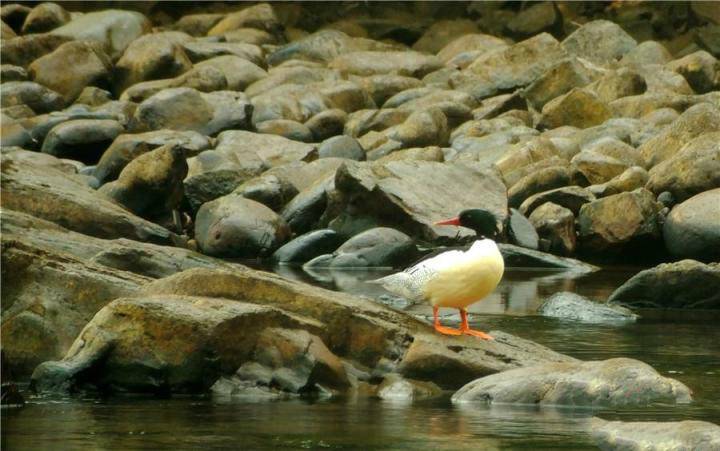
(146,149)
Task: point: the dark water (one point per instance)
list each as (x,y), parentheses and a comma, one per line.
(681,345)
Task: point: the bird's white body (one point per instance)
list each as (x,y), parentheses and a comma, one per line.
(453,278)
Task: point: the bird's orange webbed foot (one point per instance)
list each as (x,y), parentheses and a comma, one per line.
(447,330)
(477,333)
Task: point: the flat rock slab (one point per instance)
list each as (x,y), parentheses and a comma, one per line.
(651,435)
(517,256)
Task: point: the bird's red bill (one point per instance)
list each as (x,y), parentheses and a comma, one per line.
(452,221)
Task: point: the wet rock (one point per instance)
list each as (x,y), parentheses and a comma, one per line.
(608,383)
(82,139)
(114,29)
(621,222)
(535,19)
(268,189)
(327,124)
(571,306)
(556,226)
(341,147)
(516,256)
(68,201)
(233,226)
(422,128)
(35,96)
(693,169)
(691,228)
(152,57)
(395,192)
(396,388)
(522,231)
(239,72)
(308,246)
(462,51)
(685,284)
(408,63)
(637,435)
(578,108)
(570,197)
(187,109)
(539,181)
(23,50)
(600,41)
(560,78)
(697,120)
(304,211)
(45,17)
(286,128)
(151,184)
(324,46)
(127,147)
(261,16)
(8,72)
(377,247)
(700,69)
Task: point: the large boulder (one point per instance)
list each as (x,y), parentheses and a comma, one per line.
(700,69)
(268,189)
(578,108)
(570,197)
(555,225)
(39,98)
(521,257)
(261,16)
(691,229)
(45,17)
(657,435)
(90,67)
(622,222)
(308,246)
(600,41)
(683,284)
(239,72)
(693,169)
(234,226)
(82,139)
(203,79)
(463,50)
(612,383)
(67,200)
(324,46)
(377,247)
(442,33)
(23,50)
(413,64)
(571,306)
(566,74)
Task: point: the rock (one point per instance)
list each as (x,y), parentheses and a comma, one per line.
(151,184)
(598,168)
(578,108)
(697,120)
(327,124)
(432,153)
(408,63)
(555,225)
(362,122)
(187,109)
(600,41)
(622,222)
(308,246)
(700,69)
(617,84)
(544,179)
(570,197)
(81,139)
(251,36)
(199,51)
(197,24)
(271,150)
(384,86)
(45,17)
(239,72)
(396,388)
(92,96)
(520,257)
(535,19)
(324,46)
(23,50)
(614,148)
(474,44)
(707,38)
(441,33)
(571,306)
(67,200)
(233,226)
(268,189)
(303,212)
(691,229)
(261,16)
(637,435)
(286,128)
(49,296)
(203,79)
(114,29)
(377,247)
(207,334)
(341,147)
(560,78)
(35,96)
(8,72)
(422,128)
(397,192)
(522,231)
(695,168)
(6,32)
(646,53)
(14,15)
(631,179)
(613,383)
(127,147)
(684,284)
(152,57)
(295,75)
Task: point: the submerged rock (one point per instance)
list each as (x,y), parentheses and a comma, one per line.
(377,247)
(571,306)
(683,284)
(611,383)
(641,435)
(308,246)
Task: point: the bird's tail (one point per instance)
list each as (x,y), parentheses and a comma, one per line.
(399,283)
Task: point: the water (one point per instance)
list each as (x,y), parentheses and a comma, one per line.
(683,345)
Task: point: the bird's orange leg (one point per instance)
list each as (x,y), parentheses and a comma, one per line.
(442,329)
(465,327)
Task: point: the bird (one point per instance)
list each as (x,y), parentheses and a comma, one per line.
(455,278)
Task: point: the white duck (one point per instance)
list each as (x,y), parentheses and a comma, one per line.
(455,278)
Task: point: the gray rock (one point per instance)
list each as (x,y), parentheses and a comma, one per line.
(563,76)
(308,246)
(442,33)
(598,168)
(520,257)
(203,79)
(81,139)
(700,69)
(93,96)
(539,181)
(646,53)
(398,389)
(413,64)
(286,128)
(642,435)
(571,306)
(570,197)
(691,229)
(683,284)
(327,124)
(324,46)
(539,17)
(422,128)
(617,84)
(37,97)
(14,15)
(377,247)
(45,17)
(611,383)
(199,51)
(384,86)
(239,72)
(522,231)
(268,189)
(9,72)
(233,226)
(362,122)
(23,50)
(261,16)
(303,212)
(578,108)
(556,226)
(600,41)
(463,50)
(341,147)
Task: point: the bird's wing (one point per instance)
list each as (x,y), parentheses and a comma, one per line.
(410,283)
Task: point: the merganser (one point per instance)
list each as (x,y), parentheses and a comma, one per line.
(455,278)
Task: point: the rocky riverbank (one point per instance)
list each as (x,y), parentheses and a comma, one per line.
(144,148)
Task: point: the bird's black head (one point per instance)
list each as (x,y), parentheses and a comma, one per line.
(481,221)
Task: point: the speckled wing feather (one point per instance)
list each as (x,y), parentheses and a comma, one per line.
(409,283)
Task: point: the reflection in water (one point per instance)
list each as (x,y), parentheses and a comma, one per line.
(684,350)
